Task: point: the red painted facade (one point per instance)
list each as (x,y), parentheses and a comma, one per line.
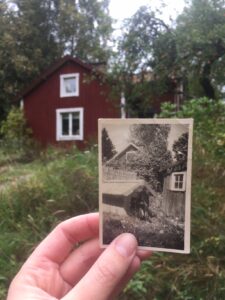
(42,100)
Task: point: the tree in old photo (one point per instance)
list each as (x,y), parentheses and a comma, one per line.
(154,155)
(180,148)
(108,149)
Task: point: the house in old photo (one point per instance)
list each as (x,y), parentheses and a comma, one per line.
(124,193)
(174,189)
(123,159)
(63,105)
(149,153)
(128,198)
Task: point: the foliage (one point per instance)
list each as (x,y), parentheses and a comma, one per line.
(180,147)
(200,42)
(193,52)
(155,58)
(134,60)
(58,185)
(84,29)
(31,206)
(108,149)
(17,136)
(199,275)
(152,140)
(34,33)
(209,120)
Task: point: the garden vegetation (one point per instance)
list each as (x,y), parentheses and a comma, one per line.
(37,194)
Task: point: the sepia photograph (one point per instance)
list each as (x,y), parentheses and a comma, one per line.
(145,181)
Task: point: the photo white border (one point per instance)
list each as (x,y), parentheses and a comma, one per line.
(187,225)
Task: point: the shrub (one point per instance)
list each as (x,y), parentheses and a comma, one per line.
(209,119)
(199,275)
(17,136)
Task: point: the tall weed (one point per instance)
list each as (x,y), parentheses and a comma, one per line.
(63,184)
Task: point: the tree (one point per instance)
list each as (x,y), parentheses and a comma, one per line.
(154,57)
(154,156)
(27,46)
(34,33)
(108,149)
(84,29)
(134,62)
(193,52)
(200,47)
(180,148)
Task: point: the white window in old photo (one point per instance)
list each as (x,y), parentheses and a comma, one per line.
(130,155)
(178,181)
(69,124)
(69,85)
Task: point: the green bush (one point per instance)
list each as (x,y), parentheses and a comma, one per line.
(209,120)
(201,274)
(17,136)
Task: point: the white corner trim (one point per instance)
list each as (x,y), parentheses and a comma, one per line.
(76,77)
(21,104)
(70,137)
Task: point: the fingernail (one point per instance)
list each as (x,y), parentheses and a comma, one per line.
(126,244)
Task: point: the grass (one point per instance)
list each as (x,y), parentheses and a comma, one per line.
(64,184)
(39,194)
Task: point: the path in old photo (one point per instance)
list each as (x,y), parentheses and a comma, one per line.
(145,182)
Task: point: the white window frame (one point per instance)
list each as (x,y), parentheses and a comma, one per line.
(172,183)
(70,137)
(63,93)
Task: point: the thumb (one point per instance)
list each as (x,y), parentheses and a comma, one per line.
(107,272)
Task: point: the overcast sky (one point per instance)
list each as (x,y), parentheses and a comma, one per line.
(120,134)
(121,9)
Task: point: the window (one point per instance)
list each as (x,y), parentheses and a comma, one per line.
(69,124)
(130,156)
(178,181)
(69,85)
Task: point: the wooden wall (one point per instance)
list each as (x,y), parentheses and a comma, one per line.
(41,103)
(173,203)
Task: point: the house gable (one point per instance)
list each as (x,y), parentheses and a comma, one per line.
(121,157)
(43,103)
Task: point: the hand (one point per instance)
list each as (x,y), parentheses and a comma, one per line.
(68,264)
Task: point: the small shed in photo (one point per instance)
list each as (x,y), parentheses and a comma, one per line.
(127,198)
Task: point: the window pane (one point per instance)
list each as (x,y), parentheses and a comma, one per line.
(70,85)
(65,124)
(176,185)
(75,123)
(180,185)
(130,156)
(176,177)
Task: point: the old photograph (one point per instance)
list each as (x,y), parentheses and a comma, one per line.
(145,181)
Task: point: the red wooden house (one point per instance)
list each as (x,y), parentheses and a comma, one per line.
(63,105)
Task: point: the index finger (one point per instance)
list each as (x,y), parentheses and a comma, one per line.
(59,243)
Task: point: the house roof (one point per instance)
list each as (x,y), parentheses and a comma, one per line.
(125,188)
(49,71)
(130,145)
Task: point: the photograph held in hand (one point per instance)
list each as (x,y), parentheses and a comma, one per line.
(145,182)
